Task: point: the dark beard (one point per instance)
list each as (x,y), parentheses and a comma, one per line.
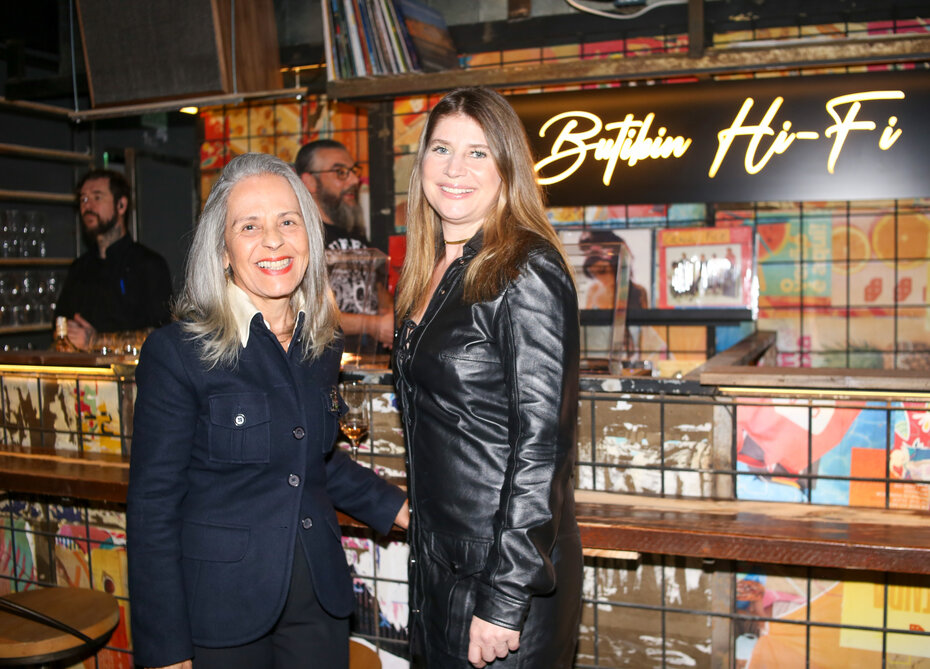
(343,214)
(103,225)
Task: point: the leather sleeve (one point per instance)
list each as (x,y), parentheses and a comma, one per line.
(163,432)
(538,334)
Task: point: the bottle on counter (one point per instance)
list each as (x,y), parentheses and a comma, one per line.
(62,343)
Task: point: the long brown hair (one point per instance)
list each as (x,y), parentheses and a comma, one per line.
(516,223)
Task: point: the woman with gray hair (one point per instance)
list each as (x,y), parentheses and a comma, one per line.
(235,558)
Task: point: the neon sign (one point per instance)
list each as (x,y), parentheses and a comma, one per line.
(849,136)
(785,138)
(631,143)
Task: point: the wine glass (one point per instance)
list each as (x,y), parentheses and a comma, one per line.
(356,420)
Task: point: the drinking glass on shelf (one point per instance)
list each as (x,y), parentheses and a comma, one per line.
(5,314)
(43,313)
(356,420)
(9,233)
(29,242)
(15,298)
(27,298)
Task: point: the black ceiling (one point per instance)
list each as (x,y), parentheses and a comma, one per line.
(35,41)
(34,23)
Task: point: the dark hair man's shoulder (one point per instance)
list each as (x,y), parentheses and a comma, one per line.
(142,254)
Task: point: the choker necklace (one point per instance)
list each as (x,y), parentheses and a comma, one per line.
(460,241)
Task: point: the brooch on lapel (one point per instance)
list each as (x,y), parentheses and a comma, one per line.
(333,400)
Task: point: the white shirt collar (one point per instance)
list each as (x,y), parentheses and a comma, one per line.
(244,311)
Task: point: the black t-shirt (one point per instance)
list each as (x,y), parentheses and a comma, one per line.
(337,238)
(130,289)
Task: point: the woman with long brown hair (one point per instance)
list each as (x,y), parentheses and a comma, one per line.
(486,364)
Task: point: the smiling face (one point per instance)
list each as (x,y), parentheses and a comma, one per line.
(267,247)
(460,178)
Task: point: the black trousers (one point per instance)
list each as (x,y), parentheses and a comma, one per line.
(304,637)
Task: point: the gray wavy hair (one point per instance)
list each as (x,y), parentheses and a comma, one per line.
(203,307)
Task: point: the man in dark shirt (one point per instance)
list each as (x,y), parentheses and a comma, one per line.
(332,176)
(119,285)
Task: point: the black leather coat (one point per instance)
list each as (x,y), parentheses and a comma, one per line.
(489,397)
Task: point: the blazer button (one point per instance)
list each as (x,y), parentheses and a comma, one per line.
(306,523)
(239,419)
(293,480)
(298,433)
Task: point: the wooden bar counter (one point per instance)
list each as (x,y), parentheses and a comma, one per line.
(611,524)
(779,533)
(665,447)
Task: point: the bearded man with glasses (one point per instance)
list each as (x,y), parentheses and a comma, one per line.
(331,175)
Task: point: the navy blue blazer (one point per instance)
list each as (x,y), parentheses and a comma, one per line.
(228,468)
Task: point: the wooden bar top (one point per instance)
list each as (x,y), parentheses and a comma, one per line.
(92,476)
(841,537)
(771,532)
(63,359)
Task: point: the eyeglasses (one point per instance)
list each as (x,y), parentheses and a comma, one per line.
(341,172)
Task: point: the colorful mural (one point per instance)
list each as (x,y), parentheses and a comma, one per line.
(841,284)
(76,414)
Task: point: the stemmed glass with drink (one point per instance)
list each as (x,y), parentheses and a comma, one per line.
(356,420)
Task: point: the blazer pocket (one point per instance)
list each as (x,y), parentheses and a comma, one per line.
(333,408)
(240,428)
(214,543)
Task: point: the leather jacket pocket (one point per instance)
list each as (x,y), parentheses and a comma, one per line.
(451,588)
(240,429)
(333,408)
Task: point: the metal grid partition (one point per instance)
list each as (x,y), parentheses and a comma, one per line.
(49,541)
(667,611)
(88,412)
(650,611)
(57,542)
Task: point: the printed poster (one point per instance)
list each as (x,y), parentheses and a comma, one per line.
(705,267)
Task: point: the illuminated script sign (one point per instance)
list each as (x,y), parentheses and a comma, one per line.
(844,137)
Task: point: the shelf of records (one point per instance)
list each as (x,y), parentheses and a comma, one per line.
(364,38)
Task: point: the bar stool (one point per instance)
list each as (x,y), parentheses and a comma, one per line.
(363,656)
(38,627)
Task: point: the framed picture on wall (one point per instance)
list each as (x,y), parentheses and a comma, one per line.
(705,268)
(594,245)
